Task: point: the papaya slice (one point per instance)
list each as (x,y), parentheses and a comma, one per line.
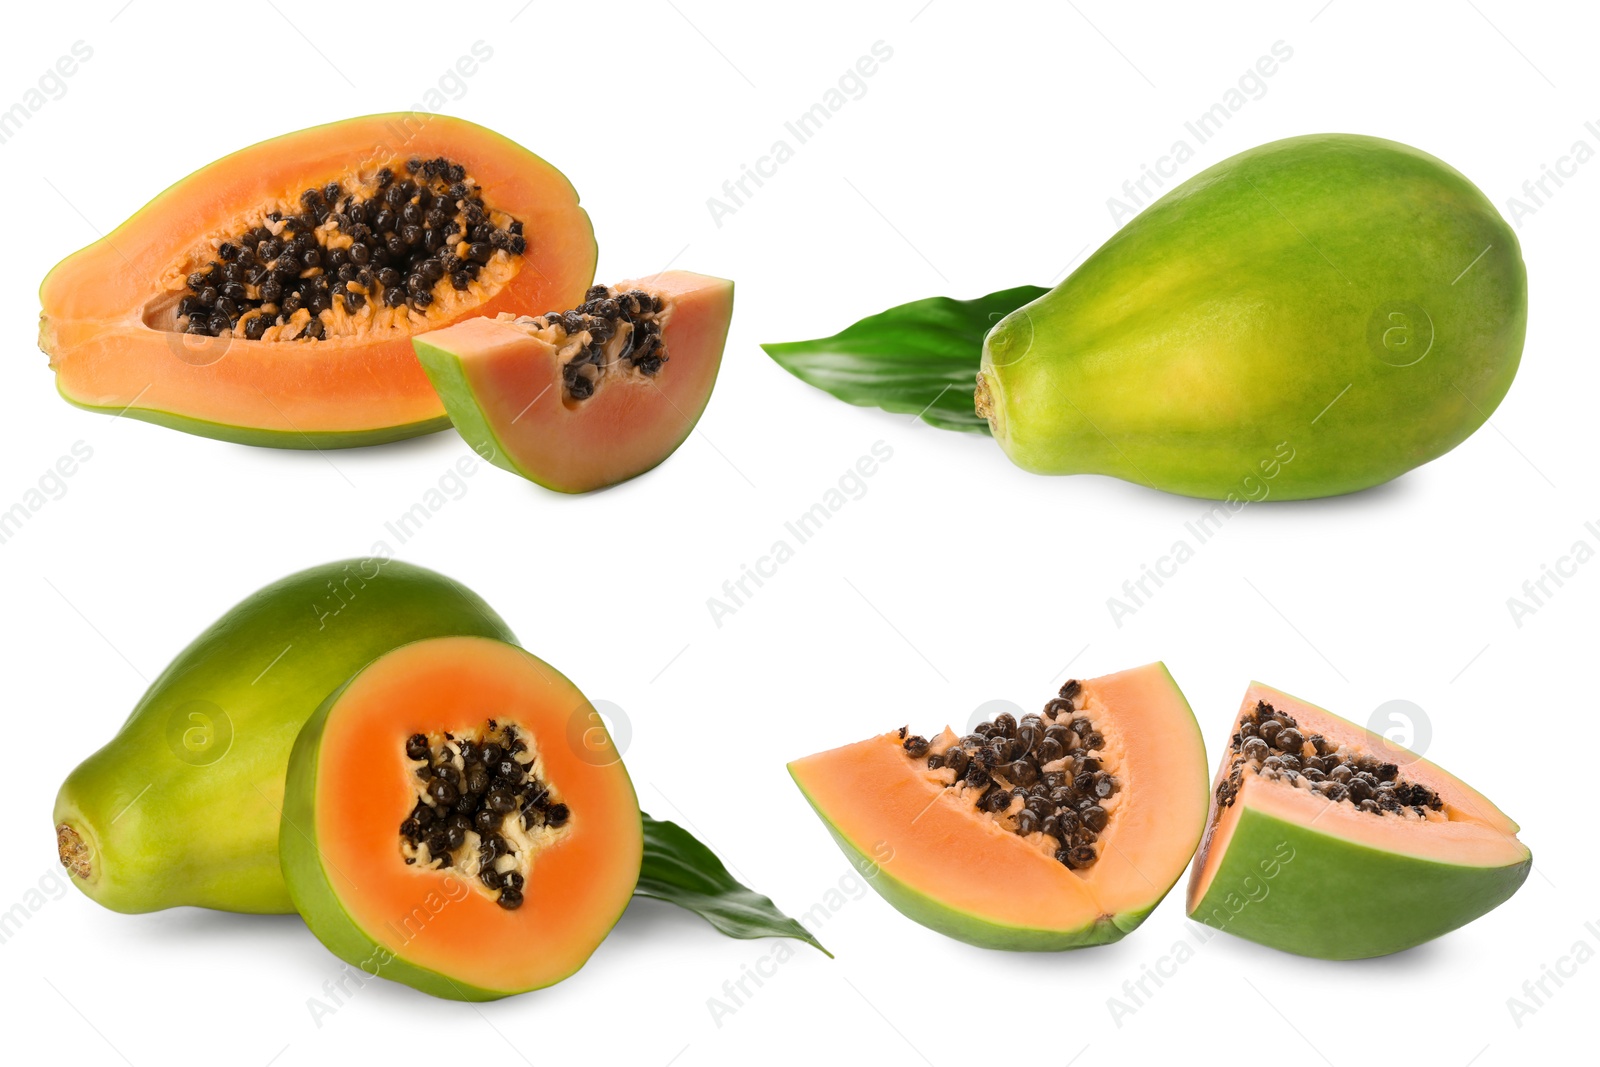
(446,827)
(270,297)
(182,806)
(1326,840)
(580,399)
(1061,830)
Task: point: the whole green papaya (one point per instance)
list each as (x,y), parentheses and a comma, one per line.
(1311,317)
(182,806)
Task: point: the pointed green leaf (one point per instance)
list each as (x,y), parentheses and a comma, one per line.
(682,871)
(918,359)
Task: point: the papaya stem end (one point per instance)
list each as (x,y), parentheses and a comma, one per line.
(981,400)
(73,851)
(983,403)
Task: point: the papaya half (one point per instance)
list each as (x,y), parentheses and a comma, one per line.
(270,297)
(1311,317)
(1326,840)
(584,398)
(1055,831)
(183,805)
(443,828)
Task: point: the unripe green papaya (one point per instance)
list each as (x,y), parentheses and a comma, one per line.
(1311,317)
(182,806)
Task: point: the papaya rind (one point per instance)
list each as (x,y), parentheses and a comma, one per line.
(449,380)
(1338,900)
(162,832)
(318,440)
(964,926)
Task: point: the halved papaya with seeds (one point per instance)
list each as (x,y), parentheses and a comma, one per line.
(270,297)
(1327,840)
(1061,830)
(590,396)
(441,829)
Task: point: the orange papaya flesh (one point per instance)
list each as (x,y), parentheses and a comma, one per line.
(587,397)
(1115,803)
(172,318)
(497,908)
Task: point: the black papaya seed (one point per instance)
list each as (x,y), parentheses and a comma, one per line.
(443,792)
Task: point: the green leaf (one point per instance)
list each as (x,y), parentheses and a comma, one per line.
(680,870)
(919,358)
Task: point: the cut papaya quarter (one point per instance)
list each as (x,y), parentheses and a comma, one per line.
(445,826)
(1327,840)
(1060,830)
(270,297)
(584,398)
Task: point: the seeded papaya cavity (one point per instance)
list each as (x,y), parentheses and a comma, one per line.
(481,808)
(383,249)
(1270,743)
(613,333)
(1044,777)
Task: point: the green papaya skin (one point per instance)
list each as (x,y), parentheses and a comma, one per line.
(320,440)
(1312,317)
(182,806)
(1310,893)
(1319,878)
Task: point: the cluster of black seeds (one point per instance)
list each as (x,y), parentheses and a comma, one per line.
(588,328)
(1270,743)
(475,787)
(1041,775)
(408,237)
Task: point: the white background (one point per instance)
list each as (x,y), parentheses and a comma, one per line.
(981,155)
